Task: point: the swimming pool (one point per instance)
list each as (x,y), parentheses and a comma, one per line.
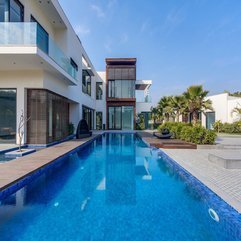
(116,188)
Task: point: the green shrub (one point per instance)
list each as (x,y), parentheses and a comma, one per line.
(187,132)
(230,128)
(174,127)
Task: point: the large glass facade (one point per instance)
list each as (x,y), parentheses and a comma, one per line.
(121,117)
(88,115)
(49,117)
(121,88)
(7,116)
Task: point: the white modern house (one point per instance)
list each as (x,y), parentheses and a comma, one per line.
(223,106)
(46,73)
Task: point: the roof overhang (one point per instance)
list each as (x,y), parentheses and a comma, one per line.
(89,71)
(143,84)
(120,61)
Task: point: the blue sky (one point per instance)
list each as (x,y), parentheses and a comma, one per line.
(177,43)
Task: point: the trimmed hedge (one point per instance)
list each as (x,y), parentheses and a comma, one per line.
(230,128)
(187,132)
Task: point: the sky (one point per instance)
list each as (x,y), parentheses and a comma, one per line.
(177,43)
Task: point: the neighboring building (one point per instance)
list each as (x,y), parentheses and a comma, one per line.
(45,71)
(223,106)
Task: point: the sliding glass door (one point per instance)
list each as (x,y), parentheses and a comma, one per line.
(121,117)
(7,116)
(114,115)
(127,118)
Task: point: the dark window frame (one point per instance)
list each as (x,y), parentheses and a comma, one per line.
(101,125)
(21,8)
(85,82)
(97,91)
(34,20)
(74,65)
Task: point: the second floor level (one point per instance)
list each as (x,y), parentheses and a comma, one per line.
(38,35)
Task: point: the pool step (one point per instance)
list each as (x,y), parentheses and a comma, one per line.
(231,147)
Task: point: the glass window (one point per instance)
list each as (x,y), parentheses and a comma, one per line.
(8,116)
(127,118)
(114,116)
(99,90)
(111,89)
(42,37)
(86,83)
(111,117)
(118,118)
(73,64)
(99,122)
(210,120)
(88,115)
(121,89)
(118,89)
(2,10)
(16,11)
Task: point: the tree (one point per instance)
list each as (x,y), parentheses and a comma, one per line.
(179,106)
(237,111)
(196,102)
(166,108)
(154,114)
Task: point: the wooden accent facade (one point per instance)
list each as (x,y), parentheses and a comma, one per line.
(120,69)
(49,116)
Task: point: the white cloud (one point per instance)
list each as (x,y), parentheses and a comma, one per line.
(98,10)
(82,30)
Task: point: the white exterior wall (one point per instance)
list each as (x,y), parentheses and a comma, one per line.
(223,105)
(21,80)
(26,76)
(101,104)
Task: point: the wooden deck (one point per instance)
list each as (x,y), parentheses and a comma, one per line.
(12,171)
(166,143)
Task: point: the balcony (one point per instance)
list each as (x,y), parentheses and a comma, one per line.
(23,45)
(146,99)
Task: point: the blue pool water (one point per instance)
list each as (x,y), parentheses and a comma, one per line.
(4,159)
(115,188)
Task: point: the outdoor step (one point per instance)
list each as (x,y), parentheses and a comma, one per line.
(222,146)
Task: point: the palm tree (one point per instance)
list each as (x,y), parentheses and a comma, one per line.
(179,105)
(154,114)
(196,102)
(237,111)
(166,108)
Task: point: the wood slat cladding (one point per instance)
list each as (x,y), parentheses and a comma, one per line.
(49,116)
(121,73)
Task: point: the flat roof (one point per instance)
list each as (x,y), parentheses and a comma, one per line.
(120,61)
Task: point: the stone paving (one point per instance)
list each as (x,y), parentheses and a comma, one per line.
(12,171)
(224,182)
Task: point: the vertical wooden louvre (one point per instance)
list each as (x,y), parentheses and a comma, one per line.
(49,116)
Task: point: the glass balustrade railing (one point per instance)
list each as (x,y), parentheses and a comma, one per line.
(146,99)
(28,34)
